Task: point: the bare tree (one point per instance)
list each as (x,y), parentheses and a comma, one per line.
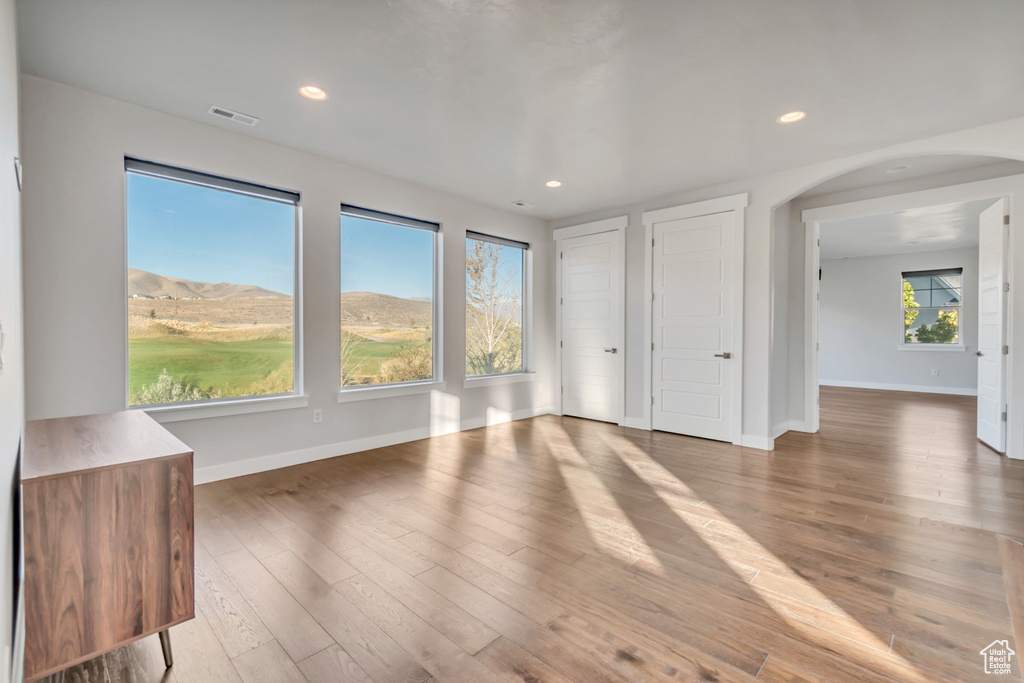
(493,308)
(351,362)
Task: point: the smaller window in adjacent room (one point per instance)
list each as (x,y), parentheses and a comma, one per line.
(388,298)
(931,306)
(211,287)
(495,298)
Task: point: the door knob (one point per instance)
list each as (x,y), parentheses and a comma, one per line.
(611,350)
(978,353)
(725,355)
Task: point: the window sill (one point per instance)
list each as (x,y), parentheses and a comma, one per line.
(495,380)
(389,391)
(932,347)
(199,411)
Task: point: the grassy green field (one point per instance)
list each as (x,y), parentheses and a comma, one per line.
(244,360)
(364,350)
(222,365)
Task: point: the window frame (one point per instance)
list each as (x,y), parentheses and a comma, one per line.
(525,372)
(234,405)
(959,345)
(437,381)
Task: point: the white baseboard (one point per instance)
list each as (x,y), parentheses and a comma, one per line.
(636,423)
(789,426)
(240,468)
(799,426)
(919,388)
(759,442)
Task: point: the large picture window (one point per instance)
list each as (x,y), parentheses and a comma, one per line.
(211,287)
(932,302)
(495,291)
(388,295)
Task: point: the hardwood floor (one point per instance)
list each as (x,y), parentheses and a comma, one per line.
(558,549)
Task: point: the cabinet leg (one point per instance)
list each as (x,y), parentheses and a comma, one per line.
(165,645)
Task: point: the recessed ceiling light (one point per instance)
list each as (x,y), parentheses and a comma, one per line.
(554,183)
(312,92)
(792,117)
(898,169)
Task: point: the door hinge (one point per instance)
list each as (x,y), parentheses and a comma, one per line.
(652,346)
(561,345)
(1006,286)
(561,255)
(819,242)
(817,346)
(1006,220)
(1004,416)
(561,390)
(561,301)
(652,242)
(1006,349)
(652,400)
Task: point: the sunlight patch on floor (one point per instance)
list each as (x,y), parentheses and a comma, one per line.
(662,482)
(604,518)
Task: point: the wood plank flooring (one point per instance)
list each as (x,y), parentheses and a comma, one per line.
(558,549)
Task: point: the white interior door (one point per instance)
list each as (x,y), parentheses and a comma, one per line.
(692,318)
(592,327)
(992,327)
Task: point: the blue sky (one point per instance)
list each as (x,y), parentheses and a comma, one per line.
(191,232)
(388,259)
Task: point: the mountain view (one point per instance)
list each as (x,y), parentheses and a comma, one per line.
(191,341)
(152,286)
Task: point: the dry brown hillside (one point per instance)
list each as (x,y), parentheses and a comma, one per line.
(144,283)
(371,309)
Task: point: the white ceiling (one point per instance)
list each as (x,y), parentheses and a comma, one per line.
(933,228)
(621,100)
(899,170)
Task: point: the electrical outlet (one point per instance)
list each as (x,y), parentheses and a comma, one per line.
(935,372)
(318,415)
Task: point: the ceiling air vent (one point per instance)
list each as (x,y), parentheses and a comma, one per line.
(521,204)
(235,116)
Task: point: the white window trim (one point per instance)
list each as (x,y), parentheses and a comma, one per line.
(958,346)
(364,392)
(477,381)
(181,412)
(239,405)
(526,372)
(370,392)
(933,347)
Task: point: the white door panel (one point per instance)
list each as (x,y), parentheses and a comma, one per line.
(692,316)
(992,326)
(591,327)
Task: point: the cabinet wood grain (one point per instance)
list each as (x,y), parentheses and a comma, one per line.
(108,525)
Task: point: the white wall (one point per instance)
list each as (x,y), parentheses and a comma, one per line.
(12,387)
(781,268)
(1004,139)
(74,146)
(860,321)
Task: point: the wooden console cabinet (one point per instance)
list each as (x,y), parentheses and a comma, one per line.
(108,536)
